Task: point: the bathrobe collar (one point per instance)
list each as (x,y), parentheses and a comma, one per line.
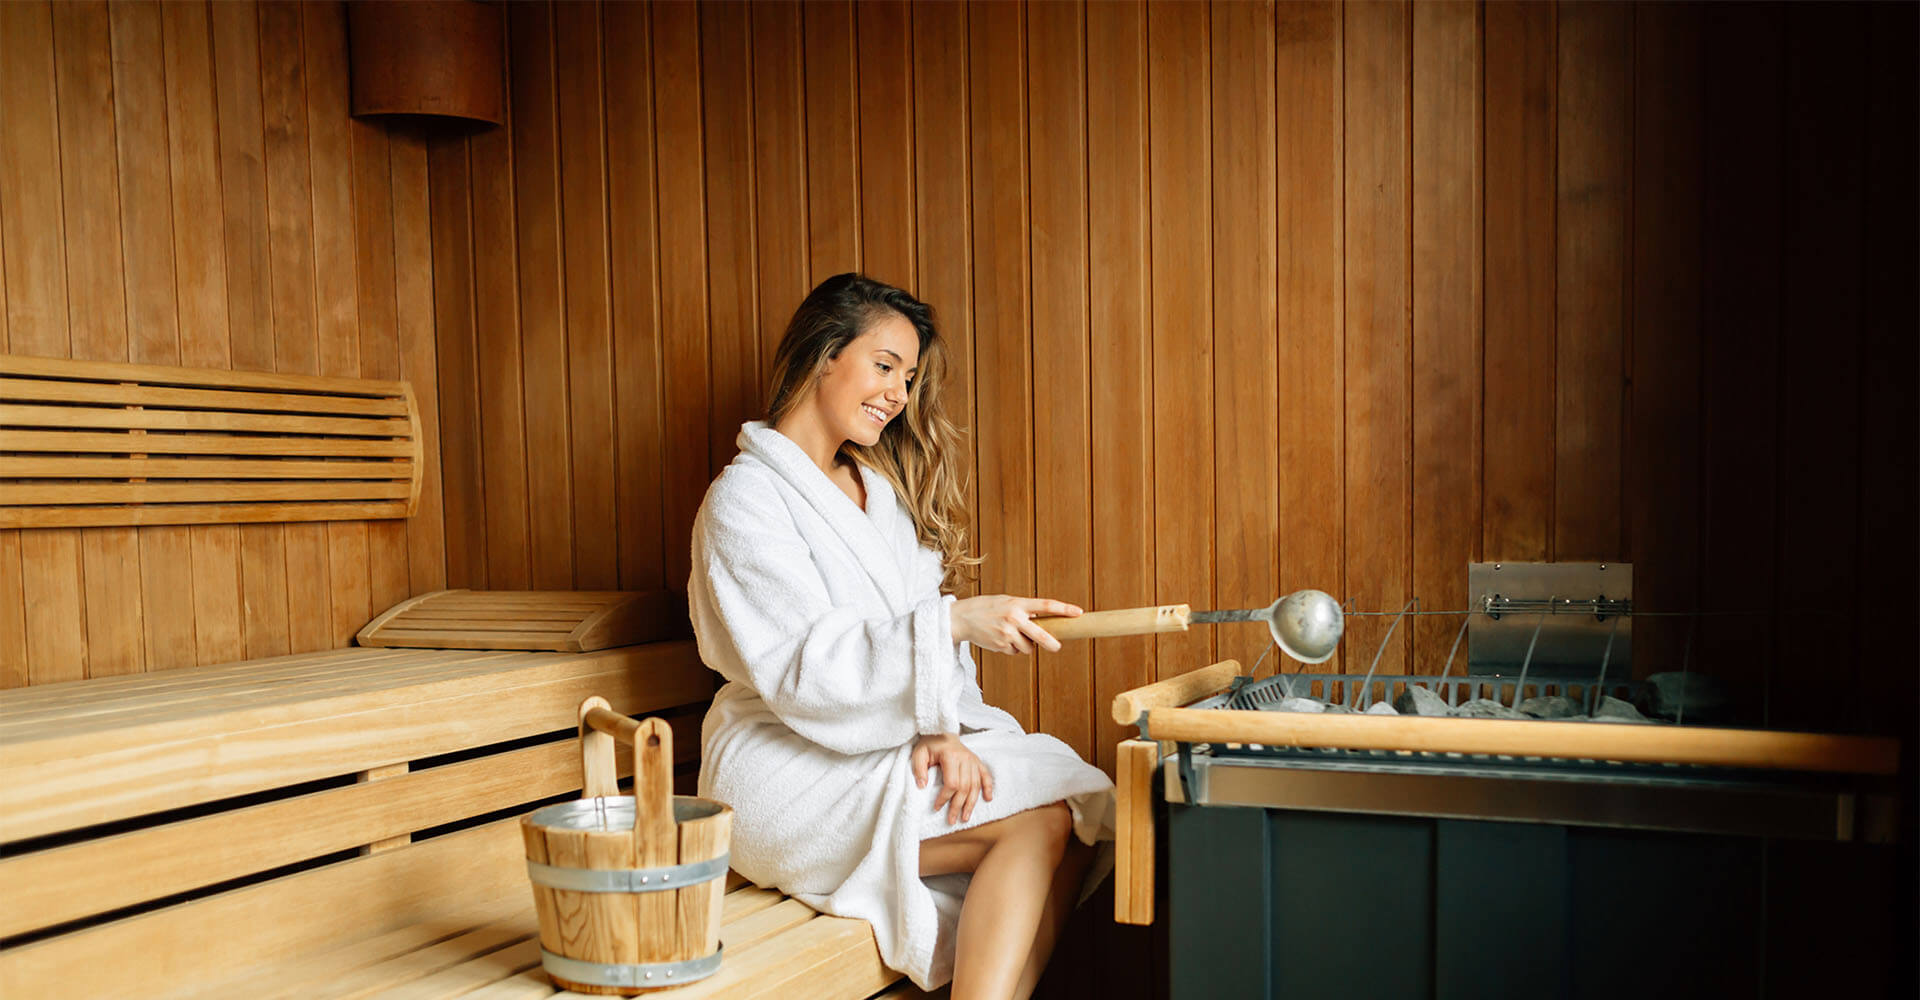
(865,533)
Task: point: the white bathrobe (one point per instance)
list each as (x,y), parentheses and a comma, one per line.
(828,623)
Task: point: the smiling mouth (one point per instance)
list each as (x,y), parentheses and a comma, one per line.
(879,416)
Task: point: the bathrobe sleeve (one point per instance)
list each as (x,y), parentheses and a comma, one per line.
(842,677)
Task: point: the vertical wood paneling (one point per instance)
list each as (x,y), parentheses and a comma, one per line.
(1592,310)
(1662,455)
(635,303)
(461,465)
(583,209)
(188,167)
(681,196)
(733,344)
(1121,361)
(1741,336)
(1062,486)
(13,601)
(413,298)
(141,128)
(96,306)
(31,213)
(1517,481)
(1379,417)
(885,85)
(1446,318)
(375,268)
(780,174)
(496,308)
(199,256)
(542,310)
(1183,357)
(943,216)
(1245,309)
(288,567)
(1003,391)
(336,334)
(833,140)
(1310,380)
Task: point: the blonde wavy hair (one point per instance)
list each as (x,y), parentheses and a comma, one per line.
(917,453)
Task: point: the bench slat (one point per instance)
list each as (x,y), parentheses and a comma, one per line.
(205,468)
(142,443)
(49,887)
(197,942)
(73,780)
(256,513)
(124,394)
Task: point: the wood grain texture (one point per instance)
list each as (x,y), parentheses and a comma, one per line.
(1518,431)
(1003,390)
(1245,422)
(1592,309)
(833,141)
(1379,408)
(462,467)
(589,320)
(1062,415)
(1310,383)
(1121,350)
(1447,317)
(733,344)
(884,105)
(635,281)
(541,271)
(681,193)
(1179,204)
(943,221)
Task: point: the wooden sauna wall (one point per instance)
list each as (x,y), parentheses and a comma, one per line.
(1244,298)
(180,183)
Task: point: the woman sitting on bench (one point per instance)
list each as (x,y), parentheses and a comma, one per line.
(851,739)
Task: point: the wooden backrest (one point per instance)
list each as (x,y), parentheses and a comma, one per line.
(86,443)
(177,827)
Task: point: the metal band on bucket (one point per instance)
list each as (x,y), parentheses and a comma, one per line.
(574,970)
(627,879)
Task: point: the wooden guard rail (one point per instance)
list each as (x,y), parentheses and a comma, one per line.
(90,443)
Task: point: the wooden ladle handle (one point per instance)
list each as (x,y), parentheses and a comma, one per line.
(1126,621)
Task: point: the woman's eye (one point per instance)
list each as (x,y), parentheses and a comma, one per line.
(884,367)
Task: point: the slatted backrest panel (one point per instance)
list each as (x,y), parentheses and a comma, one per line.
(85,443)
(568,621)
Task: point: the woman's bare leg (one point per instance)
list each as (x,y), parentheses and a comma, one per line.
(1014,862)
(1064,892)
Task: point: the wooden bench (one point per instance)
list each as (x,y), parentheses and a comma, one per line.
(336,824)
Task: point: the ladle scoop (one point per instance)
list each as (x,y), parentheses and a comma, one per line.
(1306,623)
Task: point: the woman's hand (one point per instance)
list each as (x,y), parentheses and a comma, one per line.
(964,780)
(1003,624)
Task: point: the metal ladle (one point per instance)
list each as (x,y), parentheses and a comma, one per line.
(1307,624)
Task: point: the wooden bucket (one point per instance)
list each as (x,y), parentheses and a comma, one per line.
(628,897)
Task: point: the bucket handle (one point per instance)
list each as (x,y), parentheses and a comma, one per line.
(655,839)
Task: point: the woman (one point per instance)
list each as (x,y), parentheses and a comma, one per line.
(851,739)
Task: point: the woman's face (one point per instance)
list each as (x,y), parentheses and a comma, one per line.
(865,388)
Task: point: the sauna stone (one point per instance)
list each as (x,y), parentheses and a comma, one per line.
(1381,708)
(1417,700)
(1301,705)
(1613,709)
(1552,706)
(1675,695)
(1486,708)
